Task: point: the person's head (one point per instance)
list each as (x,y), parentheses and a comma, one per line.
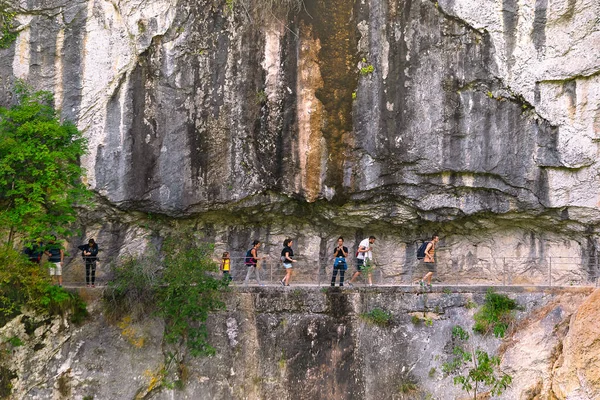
(287,242)
(340,241)
(91,242)
(226,254)
(435,238)
(256,244)
(372,239)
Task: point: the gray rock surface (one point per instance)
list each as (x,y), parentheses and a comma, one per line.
(293,343)
(395,118)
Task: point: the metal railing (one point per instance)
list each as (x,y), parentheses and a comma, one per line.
(493,271)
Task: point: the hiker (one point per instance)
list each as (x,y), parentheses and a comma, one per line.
(429,261)
(34,251)
(286,258)
(364,259)
(251,261)
(339,264)
(89,252)
(226,267)
(56,256)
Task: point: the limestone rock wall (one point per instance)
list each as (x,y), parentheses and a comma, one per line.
(389,117)
(306,343)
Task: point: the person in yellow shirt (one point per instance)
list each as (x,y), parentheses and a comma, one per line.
(226,266)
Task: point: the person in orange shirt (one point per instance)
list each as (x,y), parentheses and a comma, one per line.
(429,261)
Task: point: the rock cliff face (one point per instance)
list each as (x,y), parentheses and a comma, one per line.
(306,343)
(319,118)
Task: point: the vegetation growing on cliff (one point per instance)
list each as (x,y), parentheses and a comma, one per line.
(496,314)
(25,284)
(40,176)
(177,285)
(474,369)
(7,26)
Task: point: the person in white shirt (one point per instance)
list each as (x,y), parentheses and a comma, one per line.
(364,259)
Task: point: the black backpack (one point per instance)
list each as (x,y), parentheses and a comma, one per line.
(248,260)
(421,251)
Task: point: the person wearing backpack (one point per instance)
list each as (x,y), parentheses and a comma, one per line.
(339,253)
(364,257)
(89,252)
(429,261)
(251,261)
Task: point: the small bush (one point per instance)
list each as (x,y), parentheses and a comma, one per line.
(415,320)
(26,284)
(15,341)
(132,291)
(378,317)
(495,315)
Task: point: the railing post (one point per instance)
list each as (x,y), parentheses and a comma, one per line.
(550,271)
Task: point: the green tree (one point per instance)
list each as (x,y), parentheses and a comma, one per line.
(40,175)
(474,368)
(188,292)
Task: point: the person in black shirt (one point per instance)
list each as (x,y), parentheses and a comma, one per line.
(340,253)
(34,251)
(286,258)
(89,252)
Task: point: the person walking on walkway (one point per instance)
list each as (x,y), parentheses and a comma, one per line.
(89,252)
(287,255)
(339,264)
(429,261)
(56,256)
(364,259)
(226,267)
(251,262)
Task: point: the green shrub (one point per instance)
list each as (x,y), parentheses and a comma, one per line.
(183,288)
(132,290)
(495,315)
(7,27)
(378,317)
(474,369)
(415,320)
(27,284)
(15,341)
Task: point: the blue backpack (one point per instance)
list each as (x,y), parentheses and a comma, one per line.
(421,251)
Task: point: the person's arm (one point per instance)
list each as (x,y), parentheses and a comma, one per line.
(287,256)
(362,249)
(222,265)
(344,251)
(254,255)
(62,256)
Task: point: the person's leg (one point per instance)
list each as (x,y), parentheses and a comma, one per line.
(288,276)
(427,277)
(257,275)
(87,272)
(370,277)
(59,273)
(248,274)
(335,271)
(93,273)
(342,272)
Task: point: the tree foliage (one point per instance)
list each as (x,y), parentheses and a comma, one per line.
(474,368)
(23,283)
(181,285)
(40,175)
